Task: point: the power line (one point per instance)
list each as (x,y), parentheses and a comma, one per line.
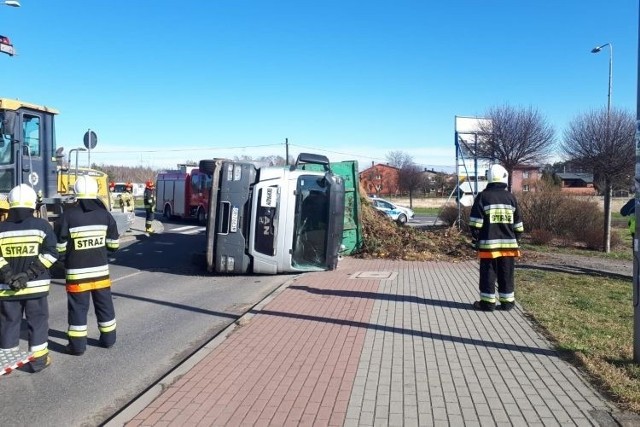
(164,150)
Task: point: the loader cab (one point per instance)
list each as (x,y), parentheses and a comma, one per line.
(27,147)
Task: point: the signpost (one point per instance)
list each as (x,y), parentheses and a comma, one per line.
(90,141)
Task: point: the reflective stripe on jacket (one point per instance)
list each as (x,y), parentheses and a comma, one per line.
(21,244)
(84,238)
(496,216)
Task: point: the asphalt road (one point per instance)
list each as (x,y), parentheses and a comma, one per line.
(424,221)
(166,309)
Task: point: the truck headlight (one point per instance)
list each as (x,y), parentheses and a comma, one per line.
(231,263)
(229,172)
(223,263)
(237,172)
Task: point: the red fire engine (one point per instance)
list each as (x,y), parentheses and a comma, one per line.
(183,193)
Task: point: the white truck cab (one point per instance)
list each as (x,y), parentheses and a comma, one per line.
(275,219)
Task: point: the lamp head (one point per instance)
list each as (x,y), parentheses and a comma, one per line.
(596,49)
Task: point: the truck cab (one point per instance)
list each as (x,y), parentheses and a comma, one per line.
(28,149)
(273,220)
(28,155)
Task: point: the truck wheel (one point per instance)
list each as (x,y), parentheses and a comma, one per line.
(207,166)
(202,217)
(167,212)
(402,219)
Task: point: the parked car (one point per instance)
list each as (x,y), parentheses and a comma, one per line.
(397,213)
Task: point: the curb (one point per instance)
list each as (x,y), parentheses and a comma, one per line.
(134,407)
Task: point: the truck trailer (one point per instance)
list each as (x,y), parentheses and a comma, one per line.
(273,219)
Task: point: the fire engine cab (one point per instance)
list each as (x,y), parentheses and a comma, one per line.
(183,193)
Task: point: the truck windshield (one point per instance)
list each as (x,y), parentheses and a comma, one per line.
(311,221)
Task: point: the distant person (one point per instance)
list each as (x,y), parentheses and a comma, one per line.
(496,226)
(86,232)
(149,205)
(127,202)
(112,197)
(27,251)
(629,209)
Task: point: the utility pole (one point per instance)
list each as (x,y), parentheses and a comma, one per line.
(286,155)
(636,258)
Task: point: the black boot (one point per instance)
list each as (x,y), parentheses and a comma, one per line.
(484,306)
(507,306)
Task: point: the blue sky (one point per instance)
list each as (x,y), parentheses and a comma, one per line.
(162,82)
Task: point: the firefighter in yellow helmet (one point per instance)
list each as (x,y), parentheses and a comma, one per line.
(86,232)
(496,226)
(149,205)
(126,198)
(27,251)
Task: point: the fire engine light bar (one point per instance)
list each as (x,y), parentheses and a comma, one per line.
(237,172)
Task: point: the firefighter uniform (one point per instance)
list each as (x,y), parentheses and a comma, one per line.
(127,202)
(149,205)
(86,232)
(629,209)
(112,198)
(27,251)
(496,226)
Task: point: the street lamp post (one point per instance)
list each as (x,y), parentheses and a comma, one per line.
(597,49)
(607,196)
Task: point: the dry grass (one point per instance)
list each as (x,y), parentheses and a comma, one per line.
(590,319)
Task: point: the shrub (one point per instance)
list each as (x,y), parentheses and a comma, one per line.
(540,236)
(449,216)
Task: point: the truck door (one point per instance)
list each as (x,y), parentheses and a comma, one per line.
(38,167)
(27,147)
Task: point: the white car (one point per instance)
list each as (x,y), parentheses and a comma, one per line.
(397,213)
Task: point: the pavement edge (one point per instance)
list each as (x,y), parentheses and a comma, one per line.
(135,406)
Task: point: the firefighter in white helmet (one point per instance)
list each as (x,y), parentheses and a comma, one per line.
(496,226)
(27,251)
(86,232)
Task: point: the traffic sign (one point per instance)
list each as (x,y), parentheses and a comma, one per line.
(90,139)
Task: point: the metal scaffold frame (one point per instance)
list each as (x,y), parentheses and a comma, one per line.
(468,135)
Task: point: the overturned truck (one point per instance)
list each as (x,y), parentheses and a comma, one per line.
(273,219)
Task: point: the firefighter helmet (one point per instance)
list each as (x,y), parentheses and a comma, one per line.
(128,186)
(497,173)
(86,187)
(149,184)
(22,196)
(112,185)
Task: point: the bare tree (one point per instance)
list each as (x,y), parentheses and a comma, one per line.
(399,159)
(514,136)
(602,141)
(410,176)
(410,179)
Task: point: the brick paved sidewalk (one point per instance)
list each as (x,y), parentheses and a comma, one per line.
(380,343)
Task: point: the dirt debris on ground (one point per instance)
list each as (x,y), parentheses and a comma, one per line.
(383,238)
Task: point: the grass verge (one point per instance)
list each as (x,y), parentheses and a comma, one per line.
(590,320)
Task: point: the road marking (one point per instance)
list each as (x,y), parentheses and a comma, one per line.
(126,277)
(194,231)
(191,229)
(186,227)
